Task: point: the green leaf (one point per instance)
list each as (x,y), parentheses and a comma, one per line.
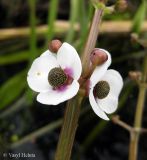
(33,33)
(17,57)
(52,15)
(12,88)
(86,13)
(14,58)
(139,17)
(74,13)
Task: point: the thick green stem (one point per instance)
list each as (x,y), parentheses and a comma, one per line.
(72,113)
(69,128)
(133,150)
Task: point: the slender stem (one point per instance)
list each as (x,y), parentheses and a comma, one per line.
(133,146)
(145,68)
(38,133)
(138,117)
(72,113)
(69,128)
(92,38)
(140,107)
(116,120)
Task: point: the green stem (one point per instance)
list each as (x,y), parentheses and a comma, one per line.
(69,128)
(139,114)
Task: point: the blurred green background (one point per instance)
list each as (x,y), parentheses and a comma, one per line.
(26,27)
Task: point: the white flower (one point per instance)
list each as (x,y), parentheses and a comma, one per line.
(105,89)
(55,76)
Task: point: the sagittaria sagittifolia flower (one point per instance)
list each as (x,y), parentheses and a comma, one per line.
(105,87)
(55,76)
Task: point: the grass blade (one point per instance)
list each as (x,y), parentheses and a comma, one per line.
(139,17)
(52,14)
(11,89)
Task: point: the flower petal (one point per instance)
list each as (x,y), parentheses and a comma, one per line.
(38,74)
(54,97)
(100,70)
(96,107)
(68,58)
(108,104)
(38,83)
(115,81)
(47,53)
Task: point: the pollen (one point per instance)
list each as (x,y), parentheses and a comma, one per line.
(102,89)
(57,77)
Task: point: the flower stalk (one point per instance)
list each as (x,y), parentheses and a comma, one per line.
(133,150)
(72,112)
(92,38)
(69,128)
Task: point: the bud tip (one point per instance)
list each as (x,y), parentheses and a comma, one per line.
(98,56)
(54,45)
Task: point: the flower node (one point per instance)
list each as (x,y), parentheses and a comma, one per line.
(57,77)
(102,89)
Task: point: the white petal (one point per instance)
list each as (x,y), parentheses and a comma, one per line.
(68,58)
(108,104)
(38,74)
(100,70)
(48,53)
(38,83)
(55,97)
(95,106)
(115,81)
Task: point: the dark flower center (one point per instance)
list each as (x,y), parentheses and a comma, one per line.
(102,89)
(57,77)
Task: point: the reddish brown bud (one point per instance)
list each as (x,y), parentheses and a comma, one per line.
(98,56)
(121,5)
(54,45)
(135,75)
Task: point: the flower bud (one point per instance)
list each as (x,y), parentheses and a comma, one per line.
(54,45)
(135,75)
(121,5)
(98,56)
